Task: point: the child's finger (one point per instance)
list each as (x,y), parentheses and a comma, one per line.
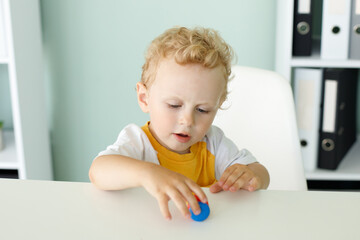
(215,188)
(190,199)
(241,182)
(164,207)
(224,177)
(180,203)
(237,185)
(253,185)
(198,191)
(235,176)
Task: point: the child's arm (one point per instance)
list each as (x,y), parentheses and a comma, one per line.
(249,177)
(116,172)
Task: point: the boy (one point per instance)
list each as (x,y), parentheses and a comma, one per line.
(183,84)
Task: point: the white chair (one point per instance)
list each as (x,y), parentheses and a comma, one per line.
(260,116)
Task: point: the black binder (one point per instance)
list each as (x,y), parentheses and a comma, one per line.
(338,116)
(302,28)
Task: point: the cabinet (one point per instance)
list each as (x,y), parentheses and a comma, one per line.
(22,93)
(349,169)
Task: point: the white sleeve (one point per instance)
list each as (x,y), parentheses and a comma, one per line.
(226,152)
(132,142)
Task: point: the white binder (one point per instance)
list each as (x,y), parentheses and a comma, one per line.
(335,29)
(3,51)
(354,51)
(307,93)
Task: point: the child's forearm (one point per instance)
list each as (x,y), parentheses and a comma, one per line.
(116,172)
(262,174)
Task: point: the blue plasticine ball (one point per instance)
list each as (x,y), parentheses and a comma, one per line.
(205,212)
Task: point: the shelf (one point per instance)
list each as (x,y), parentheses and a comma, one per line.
(21,63)
(4,60)
(349,168)
(316,61)
(8,158)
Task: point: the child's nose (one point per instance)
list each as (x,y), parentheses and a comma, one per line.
(187,118)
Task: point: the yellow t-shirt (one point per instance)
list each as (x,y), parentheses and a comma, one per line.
(198,165)
(205,163)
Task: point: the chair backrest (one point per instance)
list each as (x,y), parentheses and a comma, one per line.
(260,116)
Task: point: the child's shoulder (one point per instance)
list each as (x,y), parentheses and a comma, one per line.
(214,137)
(133,135)
(214,132)
(132,127)
(132,131)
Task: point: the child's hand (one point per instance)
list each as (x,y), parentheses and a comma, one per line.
(237,177)
(167,185)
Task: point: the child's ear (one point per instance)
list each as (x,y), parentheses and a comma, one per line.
(142,96)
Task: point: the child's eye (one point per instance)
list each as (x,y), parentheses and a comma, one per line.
(202,110)
(174,105)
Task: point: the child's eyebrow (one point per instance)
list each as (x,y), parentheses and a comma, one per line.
(171,98)
(205,103)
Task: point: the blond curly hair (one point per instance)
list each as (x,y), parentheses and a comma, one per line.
(198,45)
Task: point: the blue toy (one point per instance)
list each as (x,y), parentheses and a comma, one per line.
(205,211)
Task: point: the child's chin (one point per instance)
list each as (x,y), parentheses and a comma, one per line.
(181,151)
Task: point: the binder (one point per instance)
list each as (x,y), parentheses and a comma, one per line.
(335,29)
(3,51)
(302,28)
(338,118)
(307,93)
(354,52)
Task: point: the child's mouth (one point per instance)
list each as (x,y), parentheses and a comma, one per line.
(181,137)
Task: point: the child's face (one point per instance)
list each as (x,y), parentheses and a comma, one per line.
(182,103)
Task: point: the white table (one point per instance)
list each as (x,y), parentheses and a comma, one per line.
(68,210)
